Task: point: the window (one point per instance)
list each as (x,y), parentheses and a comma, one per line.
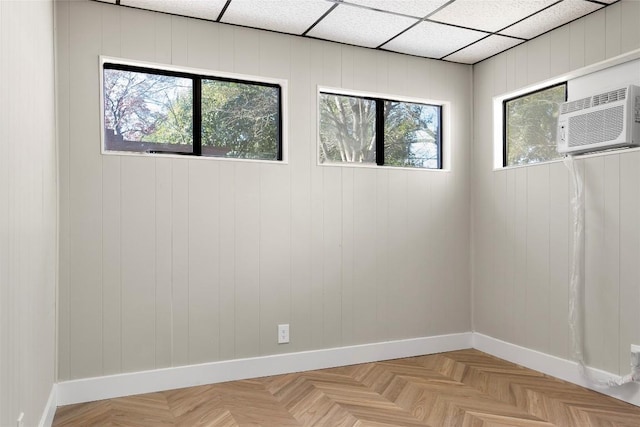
(530,126)
(147,112)
(162,111)
(240,120)
(360,129)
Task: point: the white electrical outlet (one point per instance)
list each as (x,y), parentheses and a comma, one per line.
(283,333)
(635,356)
(20,420)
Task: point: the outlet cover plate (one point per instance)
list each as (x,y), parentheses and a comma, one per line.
(283,333)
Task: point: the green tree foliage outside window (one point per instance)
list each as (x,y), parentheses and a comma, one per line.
(530,126)
(239,120)
(155,112)
(146,108)
(347,129)
(411,135)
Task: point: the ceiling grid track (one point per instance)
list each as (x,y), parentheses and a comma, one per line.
(461,31)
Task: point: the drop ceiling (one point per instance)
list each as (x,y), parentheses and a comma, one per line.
(464,31)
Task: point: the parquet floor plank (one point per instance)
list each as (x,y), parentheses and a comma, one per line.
(92,413)
(464,388)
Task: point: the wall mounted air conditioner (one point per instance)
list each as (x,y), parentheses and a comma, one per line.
(607,120)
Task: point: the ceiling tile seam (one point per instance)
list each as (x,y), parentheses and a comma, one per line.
(502,29)
(495,33)
(279,32)
(336,3)
(388,12)
(602,3)
(447,4)
(462,27)
(395,52)
(226,23)
(484,59)
(224,9)
(527,17)
(542,34)
(324,15)
(173,14)
(443,58)
(413,25)
(464,47)
(399,34)
(520,38)
(381,50)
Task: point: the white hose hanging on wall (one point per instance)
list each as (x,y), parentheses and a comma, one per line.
(576,284)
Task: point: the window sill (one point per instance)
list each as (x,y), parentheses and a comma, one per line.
(577,157)
(190,157)
(376,167)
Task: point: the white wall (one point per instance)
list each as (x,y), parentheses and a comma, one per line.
(28,210)
(521,216)
(167,262)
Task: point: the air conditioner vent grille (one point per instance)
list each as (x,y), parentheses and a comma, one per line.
(580,104)
(592,101)
(596,127)
(613,96)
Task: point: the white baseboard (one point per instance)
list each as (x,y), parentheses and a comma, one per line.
(50,409)
(107,387)
(554,366)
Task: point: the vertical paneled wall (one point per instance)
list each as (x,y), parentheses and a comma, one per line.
(28,210)
(166,262)
(522,218)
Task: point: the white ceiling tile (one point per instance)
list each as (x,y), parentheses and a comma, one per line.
(418,8)
(433,40)
(361,27)
(550,18)
(483,49)
(363,22)
(204,9)
(488,15)
(288,16)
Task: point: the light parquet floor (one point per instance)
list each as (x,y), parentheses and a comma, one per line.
(464,388)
